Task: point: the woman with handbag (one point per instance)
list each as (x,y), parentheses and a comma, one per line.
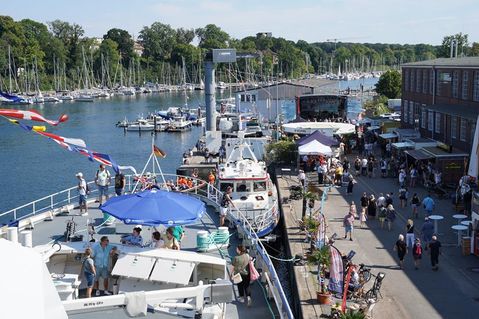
(241,274)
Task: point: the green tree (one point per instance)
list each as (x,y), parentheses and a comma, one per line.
(70,35)
(158,41)
(389,84)
(125,44)
(474,49)
(462,44)
(212,37)
(184,36)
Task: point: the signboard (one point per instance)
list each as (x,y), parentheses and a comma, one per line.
(224,55)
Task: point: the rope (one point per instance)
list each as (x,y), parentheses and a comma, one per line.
(266,299)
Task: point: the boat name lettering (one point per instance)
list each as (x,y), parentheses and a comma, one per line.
(93,304)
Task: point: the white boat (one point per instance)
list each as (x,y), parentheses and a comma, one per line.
(254,194)
(50,99)
(179,124)
(84,97)
(38,98)
(141,125)
(65,97)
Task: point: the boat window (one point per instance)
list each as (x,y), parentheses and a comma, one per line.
(259,186)
(243,187)
(224,186)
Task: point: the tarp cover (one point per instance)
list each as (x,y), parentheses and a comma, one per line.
(315,148)
(318,136)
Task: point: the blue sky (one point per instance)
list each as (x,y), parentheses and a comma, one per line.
(387,21)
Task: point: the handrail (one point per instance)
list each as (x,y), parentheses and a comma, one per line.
(211,193)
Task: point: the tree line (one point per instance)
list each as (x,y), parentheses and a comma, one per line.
(60,50)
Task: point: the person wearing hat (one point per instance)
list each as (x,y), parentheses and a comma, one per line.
(82,192)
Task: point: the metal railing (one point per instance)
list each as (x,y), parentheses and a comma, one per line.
(201,189)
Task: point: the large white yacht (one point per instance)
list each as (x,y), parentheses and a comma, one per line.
(254,194)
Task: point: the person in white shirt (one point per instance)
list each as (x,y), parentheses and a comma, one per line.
(302,177)
(82,192)
(102,179)
(437,178)
(364,166)
(381,201)
(402,178)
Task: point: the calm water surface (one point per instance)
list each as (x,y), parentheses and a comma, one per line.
(33,166)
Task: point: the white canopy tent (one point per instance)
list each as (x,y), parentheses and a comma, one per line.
(27,288)
(315,148)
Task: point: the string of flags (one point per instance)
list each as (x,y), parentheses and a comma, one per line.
(71,144)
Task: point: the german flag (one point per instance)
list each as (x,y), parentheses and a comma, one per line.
(158,152)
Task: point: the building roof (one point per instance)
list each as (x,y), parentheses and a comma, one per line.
(467,62)
(464,111)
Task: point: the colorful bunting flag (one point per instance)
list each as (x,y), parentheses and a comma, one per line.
(31,115)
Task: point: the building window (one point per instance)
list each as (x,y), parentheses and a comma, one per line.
(406,80)
(437,123)
(411,112)
(413,74)
(423,118)
(475,94)
(465,84)
(462,132)
(424,82)
(418,81)
(431,82)
(454,127)
(430,120)
(455,84)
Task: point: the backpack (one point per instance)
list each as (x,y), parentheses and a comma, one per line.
(87,189)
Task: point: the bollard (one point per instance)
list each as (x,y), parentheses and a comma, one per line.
(26,238)
(12,234)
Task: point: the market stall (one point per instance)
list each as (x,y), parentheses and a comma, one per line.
(450,164)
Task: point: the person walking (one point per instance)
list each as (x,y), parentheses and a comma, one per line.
(302,178)
(357,165)
(350,185)
(427,230)
(435,251)
(82,194)
(364,166)
(401,249)
(348,223)
(101,256)
(417,253)
(362,219)
(413,175)
(364,202)
(89,271)
(226,203)
(415,202)
(410,233)
(372,207)
(390,216)
(428,204)
(403,195)
(382,216)
(102,180)
(240,265)
(353,210)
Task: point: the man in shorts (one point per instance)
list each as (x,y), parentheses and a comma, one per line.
(102,179)
(101,256)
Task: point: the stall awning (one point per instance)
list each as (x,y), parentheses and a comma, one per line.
(402,145)
(388,136)
(315,148)
(418,154)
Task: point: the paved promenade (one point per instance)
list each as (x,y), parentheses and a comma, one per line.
(451,292)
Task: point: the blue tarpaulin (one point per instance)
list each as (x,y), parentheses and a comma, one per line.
(155,207)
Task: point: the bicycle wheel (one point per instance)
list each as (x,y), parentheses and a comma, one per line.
(366,273)
(371,294)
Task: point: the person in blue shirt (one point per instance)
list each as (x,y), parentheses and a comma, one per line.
(428,204)
(134,239)
(101,255)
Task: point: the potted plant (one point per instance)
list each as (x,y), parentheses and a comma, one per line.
(310,197)
(321,258)
(353,315)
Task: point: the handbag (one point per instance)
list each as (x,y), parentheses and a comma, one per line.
(253,273)
(237,278)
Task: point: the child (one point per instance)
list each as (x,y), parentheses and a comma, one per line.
(352,209)
(363,219)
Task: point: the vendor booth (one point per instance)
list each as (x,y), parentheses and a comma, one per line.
(318,136)
(451,165)
(315,148)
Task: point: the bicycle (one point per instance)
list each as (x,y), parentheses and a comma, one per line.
(376,288)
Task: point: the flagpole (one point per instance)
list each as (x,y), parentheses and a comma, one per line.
(161,173)
(142,172)
(153,151)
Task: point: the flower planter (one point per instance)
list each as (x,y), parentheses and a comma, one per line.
(323,298)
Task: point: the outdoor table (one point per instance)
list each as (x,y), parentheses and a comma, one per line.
(467,223)
(459,229)
(435,218)
(459,217)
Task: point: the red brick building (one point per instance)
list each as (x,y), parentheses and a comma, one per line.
(440,98)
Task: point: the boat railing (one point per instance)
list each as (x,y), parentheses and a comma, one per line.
(65,199)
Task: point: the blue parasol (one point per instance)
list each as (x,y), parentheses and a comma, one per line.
(155,207)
